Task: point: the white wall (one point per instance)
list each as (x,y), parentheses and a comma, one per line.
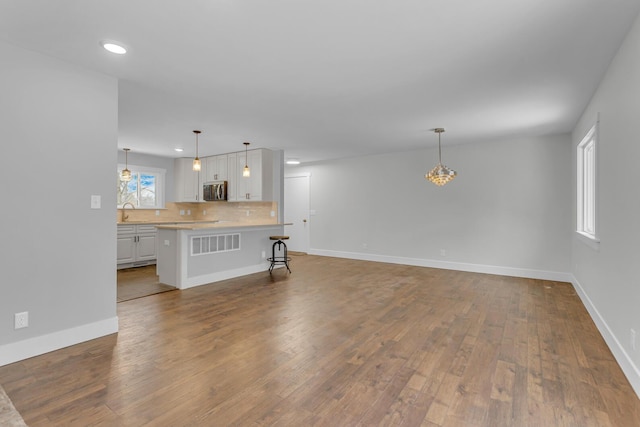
(607,275)
(507,212)
(58,125)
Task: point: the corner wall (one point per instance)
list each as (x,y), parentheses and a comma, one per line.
(59,132)
(606,275)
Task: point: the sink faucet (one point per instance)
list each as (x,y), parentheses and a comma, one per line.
(124,205)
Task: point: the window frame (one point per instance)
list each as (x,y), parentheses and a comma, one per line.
(587,185)
(160,182)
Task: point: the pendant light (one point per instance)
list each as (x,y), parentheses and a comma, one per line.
(246,172)
(441,174)
(125,175)
(197,165)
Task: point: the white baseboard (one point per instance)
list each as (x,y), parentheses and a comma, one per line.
(16,351)
(556,276)
(629,368)
(205,279)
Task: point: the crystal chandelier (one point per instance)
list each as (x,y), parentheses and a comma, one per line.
(441,174)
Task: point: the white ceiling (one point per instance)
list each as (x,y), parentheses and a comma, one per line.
(332,78)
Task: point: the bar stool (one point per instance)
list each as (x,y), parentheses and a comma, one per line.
(281,259)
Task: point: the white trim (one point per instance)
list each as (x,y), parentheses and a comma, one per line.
(591,139)
(205,279)
(298,175)
(625,362)
(556,276)
(16,351)
(588,240)
(141,168)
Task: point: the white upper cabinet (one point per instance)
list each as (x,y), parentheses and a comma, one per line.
(259,186)
(216,168)
(188,185)
(232,178)
(227,167)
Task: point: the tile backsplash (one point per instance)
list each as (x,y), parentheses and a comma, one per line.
(246,212)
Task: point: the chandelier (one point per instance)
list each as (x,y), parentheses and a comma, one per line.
(441,174)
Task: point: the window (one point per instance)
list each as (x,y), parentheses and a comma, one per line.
(586,180)
(145,190)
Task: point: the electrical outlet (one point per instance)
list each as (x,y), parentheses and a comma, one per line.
(95,202)
(204,212)
(157,212)
(443,252)
(264,255)
(273,213)
(188,211)
(632,339)
(21,320)
(181,211)
(248,213)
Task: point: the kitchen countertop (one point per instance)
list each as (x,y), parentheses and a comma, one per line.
(218,224)
(168,222)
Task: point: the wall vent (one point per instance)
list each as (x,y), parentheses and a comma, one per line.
(202,245)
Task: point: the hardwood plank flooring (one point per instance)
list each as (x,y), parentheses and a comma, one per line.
(337,343)
(139,282)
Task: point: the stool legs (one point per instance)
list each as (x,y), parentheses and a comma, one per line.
(281,259)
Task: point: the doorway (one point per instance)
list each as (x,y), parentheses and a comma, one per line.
(296,211)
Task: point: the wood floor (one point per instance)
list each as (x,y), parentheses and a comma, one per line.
(139,282)
(337,343)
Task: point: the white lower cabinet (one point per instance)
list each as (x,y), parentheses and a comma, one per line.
(137,245)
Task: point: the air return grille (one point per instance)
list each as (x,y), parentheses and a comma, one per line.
(201,245)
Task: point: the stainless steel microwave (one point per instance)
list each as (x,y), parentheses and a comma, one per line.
(214,191)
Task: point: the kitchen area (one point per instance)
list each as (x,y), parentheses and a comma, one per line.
(187,228)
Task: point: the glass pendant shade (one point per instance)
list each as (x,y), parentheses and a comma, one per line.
(125,175)
(246,172)
(440,175)
(197,165)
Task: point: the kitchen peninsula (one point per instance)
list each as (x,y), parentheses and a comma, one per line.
(199,253)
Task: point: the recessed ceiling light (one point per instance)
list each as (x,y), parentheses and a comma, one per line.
(113,47)
(292,161)
(179,150)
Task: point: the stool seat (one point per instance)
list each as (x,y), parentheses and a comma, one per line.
(283,257)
